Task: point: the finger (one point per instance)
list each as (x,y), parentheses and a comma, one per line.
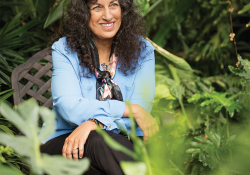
(81,146)
(69,148)
(64,148)
(75,150)
(155,128)
(150,129)
(145,136)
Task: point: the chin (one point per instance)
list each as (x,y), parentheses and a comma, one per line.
(107,36)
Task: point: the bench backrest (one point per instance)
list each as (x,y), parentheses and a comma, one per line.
(33,79)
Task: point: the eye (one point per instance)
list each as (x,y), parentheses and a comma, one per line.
(114,5)
(96,8)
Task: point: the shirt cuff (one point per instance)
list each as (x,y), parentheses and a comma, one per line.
(112,124)
(118,108)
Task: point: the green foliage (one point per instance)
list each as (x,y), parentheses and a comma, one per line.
(131,168)
(198,30)
(221,100)
(6,129)
(20,35)
(173,59)
(246,8)
(163,154)
(5,150)
(143,5)
(56,13)
(214,150)
(195,30)
(25,119)
(245,74)
(6,94)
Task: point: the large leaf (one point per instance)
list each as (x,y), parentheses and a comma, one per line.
(173,59)
(171,84)
(56,13)
(25,119)
(132,168)
(245,9)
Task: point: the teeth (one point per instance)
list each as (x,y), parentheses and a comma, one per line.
(107,25)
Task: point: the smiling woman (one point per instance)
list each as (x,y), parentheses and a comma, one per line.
(105,19)
(100,60)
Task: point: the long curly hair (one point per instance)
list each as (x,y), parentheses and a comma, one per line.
(127,42)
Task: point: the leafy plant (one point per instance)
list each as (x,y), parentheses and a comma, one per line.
(214,150)
(25,119)
(245,9)
(158,155)
(245,74)
(56,13)
(8,157)
(219,99)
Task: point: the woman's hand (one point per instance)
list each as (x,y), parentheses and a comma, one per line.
(74,143)
(144,119)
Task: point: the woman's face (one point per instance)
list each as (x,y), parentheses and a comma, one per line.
(105,19)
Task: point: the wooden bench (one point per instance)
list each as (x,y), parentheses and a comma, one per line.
(33,79)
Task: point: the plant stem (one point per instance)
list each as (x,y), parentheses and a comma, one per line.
(227,125)
(183,109)
(228,135)
(146,158)
(178,169)
(207,122)
(36,147)
(135,140)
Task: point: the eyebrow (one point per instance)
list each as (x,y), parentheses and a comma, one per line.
(113,1)
(96,3)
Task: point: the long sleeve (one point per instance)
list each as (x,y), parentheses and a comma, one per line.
(69,101)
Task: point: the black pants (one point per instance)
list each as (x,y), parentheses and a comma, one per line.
(103,159)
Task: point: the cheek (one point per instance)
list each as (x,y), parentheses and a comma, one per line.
(118,14)
(93,20)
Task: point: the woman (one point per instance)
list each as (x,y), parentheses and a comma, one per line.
(99,62)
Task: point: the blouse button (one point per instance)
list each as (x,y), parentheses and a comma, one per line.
(109,126)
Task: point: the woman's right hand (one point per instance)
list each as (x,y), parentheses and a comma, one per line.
(144,120)
(77,139)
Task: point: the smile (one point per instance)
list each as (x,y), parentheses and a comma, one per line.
(108,25)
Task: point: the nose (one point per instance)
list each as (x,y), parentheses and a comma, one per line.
(107,15)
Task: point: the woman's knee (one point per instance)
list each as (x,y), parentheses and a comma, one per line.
(95,139)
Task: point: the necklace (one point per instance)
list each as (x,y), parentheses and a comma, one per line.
(104,67)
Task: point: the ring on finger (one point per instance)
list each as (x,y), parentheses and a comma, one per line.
(75,148)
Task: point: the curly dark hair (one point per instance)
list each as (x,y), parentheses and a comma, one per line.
(127,42)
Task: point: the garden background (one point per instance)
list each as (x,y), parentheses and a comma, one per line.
(202,84)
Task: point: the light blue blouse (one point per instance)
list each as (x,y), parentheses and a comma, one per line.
(74,96)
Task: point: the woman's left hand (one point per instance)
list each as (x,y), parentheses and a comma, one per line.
(74,143)
(144,120)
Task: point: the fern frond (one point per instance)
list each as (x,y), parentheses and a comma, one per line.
(221,99)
